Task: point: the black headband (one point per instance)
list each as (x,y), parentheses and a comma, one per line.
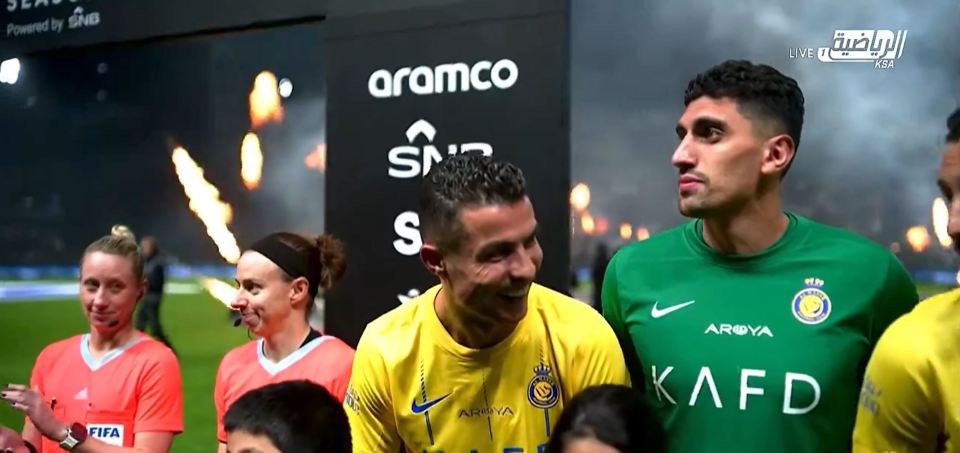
(289,260)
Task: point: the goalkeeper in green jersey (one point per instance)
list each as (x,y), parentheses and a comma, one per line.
(749,327)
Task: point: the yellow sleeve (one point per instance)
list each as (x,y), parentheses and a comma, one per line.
(598,360)
(900,409)
(368,403)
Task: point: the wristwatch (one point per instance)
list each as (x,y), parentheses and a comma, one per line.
(76,434)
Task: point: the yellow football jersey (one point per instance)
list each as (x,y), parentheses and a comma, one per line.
(910,401)
(414,387)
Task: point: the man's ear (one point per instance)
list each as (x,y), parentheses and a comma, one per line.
(778,154)
(432,259)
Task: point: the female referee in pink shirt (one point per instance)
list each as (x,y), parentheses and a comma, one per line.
(112,390)
(278,278)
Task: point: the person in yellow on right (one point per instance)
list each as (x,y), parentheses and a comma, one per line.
(485,361)
(910,400)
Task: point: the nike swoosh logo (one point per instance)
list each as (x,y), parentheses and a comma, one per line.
(658,313)
(421,408)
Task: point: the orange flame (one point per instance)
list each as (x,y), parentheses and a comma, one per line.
(265,100)
(642,233)
(317,158)
(587,223)
(580,197)
(251,161)
(918,237)
(220,290)
(941,217)
(625,231)
(205,203)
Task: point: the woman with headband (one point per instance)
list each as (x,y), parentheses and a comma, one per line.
(278,278)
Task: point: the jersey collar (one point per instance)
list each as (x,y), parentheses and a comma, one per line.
(95,364)
(275,367)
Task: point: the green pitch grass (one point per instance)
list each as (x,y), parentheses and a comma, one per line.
(197,326)
(929,289)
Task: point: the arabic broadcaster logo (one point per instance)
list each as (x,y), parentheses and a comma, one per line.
(880,47)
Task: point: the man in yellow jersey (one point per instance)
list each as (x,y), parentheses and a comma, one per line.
(910,401)
(485,361)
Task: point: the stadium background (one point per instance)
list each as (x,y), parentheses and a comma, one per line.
(89,141)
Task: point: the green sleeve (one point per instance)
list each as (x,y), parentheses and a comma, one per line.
(899,297)
(613,313)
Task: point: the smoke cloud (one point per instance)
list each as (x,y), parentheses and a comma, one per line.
(871,137)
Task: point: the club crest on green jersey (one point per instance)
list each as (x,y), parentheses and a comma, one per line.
(811,305)
(543,391)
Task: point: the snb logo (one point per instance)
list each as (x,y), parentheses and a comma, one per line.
(408,161)
(445,78)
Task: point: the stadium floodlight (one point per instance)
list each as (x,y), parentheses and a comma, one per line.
(285,87)
(10,71)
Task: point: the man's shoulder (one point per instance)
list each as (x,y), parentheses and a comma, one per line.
(935,306)
(824,236)
(664,243)
(392,328)
(934,320)
(565,314)
(406,315)
(655,257)
(556,302)
(911,343)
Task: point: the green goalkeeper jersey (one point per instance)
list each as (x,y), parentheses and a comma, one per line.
(754,353)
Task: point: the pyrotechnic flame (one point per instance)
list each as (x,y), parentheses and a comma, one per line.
(205,203)
(265,100)
(220,290)
(317,159)
(251,161)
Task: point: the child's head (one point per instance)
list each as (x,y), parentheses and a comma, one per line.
(287,417)
(607,419)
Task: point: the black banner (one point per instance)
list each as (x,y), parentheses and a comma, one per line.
(408,89)
(36,25)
